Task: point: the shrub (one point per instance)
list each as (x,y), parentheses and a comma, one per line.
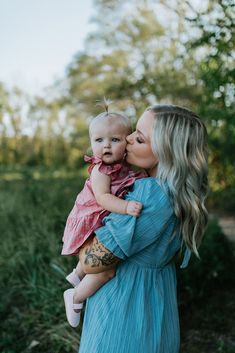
(214,270)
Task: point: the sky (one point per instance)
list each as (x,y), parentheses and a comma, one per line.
(38,39)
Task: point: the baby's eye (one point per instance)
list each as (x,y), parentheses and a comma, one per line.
(115,139)
(139,140)
(99,139)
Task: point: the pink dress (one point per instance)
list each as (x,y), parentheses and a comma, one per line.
(87,215)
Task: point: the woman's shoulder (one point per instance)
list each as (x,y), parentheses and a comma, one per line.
(151,189)
(148,183)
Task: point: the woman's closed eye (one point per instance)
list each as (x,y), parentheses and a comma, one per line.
(139,140)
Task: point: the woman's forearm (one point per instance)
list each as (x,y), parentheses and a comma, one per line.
(95,258)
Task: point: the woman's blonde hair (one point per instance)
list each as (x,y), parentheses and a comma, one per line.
(179,141)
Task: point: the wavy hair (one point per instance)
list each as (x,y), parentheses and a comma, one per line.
(179,141)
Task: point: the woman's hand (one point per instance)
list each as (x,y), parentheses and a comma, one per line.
(95,258)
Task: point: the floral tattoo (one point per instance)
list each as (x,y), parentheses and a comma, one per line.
(97,255)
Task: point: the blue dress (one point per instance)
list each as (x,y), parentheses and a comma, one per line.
(136,311)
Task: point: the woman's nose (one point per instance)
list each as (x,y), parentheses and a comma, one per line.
(129,138)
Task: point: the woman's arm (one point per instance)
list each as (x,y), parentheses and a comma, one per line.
(102,190)
(95,258)
(123,236)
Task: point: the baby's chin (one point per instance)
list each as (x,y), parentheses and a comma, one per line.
(112,160)
(108,159)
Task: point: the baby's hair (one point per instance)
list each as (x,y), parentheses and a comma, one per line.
(120,118)
(105,104)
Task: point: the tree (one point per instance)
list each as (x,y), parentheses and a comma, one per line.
(217,76)
(12,119)
(133,59)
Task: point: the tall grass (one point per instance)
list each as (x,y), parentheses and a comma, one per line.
(32,271)
(32,217)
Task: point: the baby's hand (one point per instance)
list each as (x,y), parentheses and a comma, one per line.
(134,208)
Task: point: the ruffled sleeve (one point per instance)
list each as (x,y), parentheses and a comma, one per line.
(125,235)
(107,169)
(93,160)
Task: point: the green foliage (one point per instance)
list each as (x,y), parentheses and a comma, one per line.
(138,61)
(32,218)
(32,271)
(150,52)
(223,201)
(217,76)
(213,271)
(206,296)
(135,59)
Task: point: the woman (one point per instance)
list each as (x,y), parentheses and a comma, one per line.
(137,311)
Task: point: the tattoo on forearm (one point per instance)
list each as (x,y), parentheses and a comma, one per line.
(97,255)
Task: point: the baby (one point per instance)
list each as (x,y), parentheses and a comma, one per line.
(110,178)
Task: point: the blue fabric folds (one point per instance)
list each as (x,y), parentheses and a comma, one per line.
(136,311)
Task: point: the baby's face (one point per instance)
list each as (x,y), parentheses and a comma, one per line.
(108,141)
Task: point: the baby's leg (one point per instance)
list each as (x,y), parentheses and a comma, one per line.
(79,271)
(91,283)
(76,275)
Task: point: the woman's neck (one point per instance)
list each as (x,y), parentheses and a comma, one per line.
(152,172)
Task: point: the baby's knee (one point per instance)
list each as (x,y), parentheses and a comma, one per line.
(111,273)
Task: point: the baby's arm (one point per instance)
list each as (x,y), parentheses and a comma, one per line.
(101,184)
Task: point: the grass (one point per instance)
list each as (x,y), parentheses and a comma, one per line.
(32,217)
(32,271)
(207,326)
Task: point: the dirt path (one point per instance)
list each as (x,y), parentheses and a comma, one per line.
(227,223)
